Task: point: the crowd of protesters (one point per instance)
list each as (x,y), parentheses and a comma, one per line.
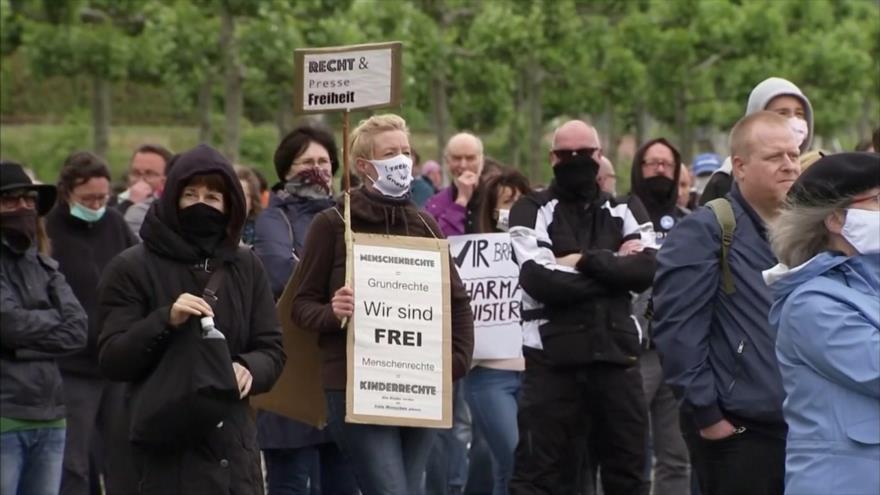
(714,331)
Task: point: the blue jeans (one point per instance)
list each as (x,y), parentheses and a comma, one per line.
(30,461)
(447,469)
(316,470)
(387,460)
(492,395)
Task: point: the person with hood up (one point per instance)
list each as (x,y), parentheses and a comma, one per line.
(827,313)
(147,299)
(306,161)
(775,95)
(388,460)
(41,321)
(656,170)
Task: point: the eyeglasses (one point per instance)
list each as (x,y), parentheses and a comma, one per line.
(655,164)
(311,162)
(568,154)
(91,199)
(875,197)
(12,200)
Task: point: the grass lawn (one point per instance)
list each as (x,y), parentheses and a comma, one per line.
(43,147)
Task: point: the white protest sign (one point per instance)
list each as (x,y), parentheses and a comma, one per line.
(347,77)
(491,277)
(399,339)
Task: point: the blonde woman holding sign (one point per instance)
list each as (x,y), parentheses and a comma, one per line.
(387,460)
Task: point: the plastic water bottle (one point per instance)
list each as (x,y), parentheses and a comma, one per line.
(209,331)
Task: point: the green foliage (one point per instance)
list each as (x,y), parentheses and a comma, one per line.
(506,69)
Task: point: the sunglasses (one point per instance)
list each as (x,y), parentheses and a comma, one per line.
(567,154)
(11,201)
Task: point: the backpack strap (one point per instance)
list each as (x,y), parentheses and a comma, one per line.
(289,233)
(726,219)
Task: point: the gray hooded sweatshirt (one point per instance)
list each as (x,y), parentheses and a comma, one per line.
(759,98)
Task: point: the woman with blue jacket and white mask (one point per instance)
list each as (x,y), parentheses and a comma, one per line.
(827,312)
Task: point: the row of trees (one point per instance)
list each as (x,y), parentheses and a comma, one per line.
(505,68)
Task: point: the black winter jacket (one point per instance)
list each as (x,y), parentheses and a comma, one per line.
(135,298)
(82,250)
(594,296)
(41,320)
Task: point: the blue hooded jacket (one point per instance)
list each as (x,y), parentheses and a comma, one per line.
(827,312)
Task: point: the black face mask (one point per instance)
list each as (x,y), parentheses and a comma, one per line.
(203,226)
(660,188)
(19,228)
(577,176)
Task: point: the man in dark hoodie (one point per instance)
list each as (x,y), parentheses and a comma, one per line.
(86,236)
(147,301)
(655,175)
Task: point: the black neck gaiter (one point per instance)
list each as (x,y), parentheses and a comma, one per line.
(19,228)
(203,226)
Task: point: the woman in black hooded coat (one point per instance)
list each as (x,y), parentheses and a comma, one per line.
(152,292)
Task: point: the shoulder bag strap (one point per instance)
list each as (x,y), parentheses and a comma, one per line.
(209,294)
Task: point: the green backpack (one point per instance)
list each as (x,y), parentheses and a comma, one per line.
(727,220)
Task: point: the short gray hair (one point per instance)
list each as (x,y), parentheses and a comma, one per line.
(799,232)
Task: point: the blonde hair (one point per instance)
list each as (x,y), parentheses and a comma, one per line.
(247,174)
(799,232)
(363,135)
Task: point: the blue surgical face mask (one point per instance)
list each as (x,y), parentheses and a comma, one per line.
(86,214)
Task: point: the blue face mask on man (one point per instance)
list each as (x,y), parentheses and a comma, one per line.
(87,214)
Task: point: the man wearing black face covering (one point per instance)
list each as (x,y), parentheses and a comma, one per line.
(42,320)
(580,254)
(655,172)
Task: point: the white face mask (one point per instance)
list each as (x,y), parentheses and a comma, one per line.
(799,128)
(503,220)
(394,176)
(862,230)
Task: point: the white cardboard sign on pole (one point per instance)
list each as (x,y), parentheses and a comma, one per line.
(347,77)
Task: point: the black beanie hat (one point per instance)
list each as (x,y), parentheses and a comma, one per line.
(836,177)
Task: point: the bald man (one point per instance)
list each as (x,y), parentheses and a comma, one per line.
(456,207)
(580,254)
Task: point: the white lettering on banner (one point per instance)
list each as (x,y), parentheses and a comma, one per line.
(491,277)
(398,333)
(345,81)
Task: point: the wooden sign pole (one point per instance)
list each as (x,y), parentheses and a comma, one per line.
(346,184)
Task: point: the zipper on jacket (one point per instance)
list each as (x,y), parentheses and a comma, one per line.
(739,351)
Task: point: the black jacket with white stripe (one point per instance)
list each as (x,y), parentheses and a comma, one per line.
(583,310)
